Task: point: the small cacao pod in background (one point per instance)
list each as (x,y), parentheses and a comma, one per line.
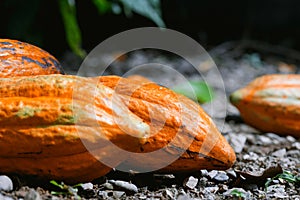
(271,103)
(22,59)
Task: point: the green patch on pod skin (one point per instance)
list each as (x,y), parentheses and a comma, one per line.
(263,117)
(66,119)
(27,111)
(236,97)
(74,117)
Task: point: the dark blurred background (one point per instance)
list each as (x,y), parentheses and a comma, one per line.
(210,22)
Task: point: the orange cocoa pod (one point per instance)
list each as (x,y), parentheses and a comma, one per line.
(178,125)
(271,104)
(22,59)
(48,120)
(44,128)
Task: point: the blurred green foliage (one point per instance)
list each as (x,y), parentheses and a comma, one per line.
(24,14)
(147,8)
(73,33)
(198,91)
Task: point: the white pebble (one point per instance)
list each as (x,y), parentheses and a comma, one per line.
(32,195)
(296,145)
(279,153)
(2,197)
(129,187)
(291,138)
(87,186)
(5,183)
(191,182)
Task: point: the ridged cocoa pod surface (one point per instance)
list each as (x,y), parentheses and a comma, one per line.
(22,59)
(271,103)
(61,127)
(177,125)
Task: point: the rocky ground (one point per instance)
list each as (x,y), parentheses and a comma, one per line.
(267,166)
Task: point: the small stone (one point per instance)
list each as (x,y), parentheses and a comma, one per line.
(183,197)
(168,194)
(222,188)
(291,138)
(54,198)
(2,197)
(213,189)
(164,179)
(181,191)
(221,177)
(164,176)
(293,153)
(21,193)
(191,182)
(124,186)
(142,196)
(277,191)
(296,197)
(274,136)
(251,156)
(279,195)
(119,194)
(265,140)
(251,138)
(102,194)
(108,186)
(296,145)
(279,153)
(203,181)
(237,142)
(87,186)
(212,173)
(204,172)
(246,157)
(225,128)
(6,183)
(247,129)
(32,195)
(261,159)
(209,197)
(275,181)
(231,172)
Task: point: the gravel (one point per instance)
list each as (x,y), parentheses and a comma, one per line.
(256,152)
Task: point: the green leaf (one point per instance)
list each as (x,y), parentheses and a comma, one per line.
(238,193)
(196,90)
(267,184)
(287,176)
(58,193)
(66,189)
(73,33)
(53,182)
(147,8)
(103,6)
